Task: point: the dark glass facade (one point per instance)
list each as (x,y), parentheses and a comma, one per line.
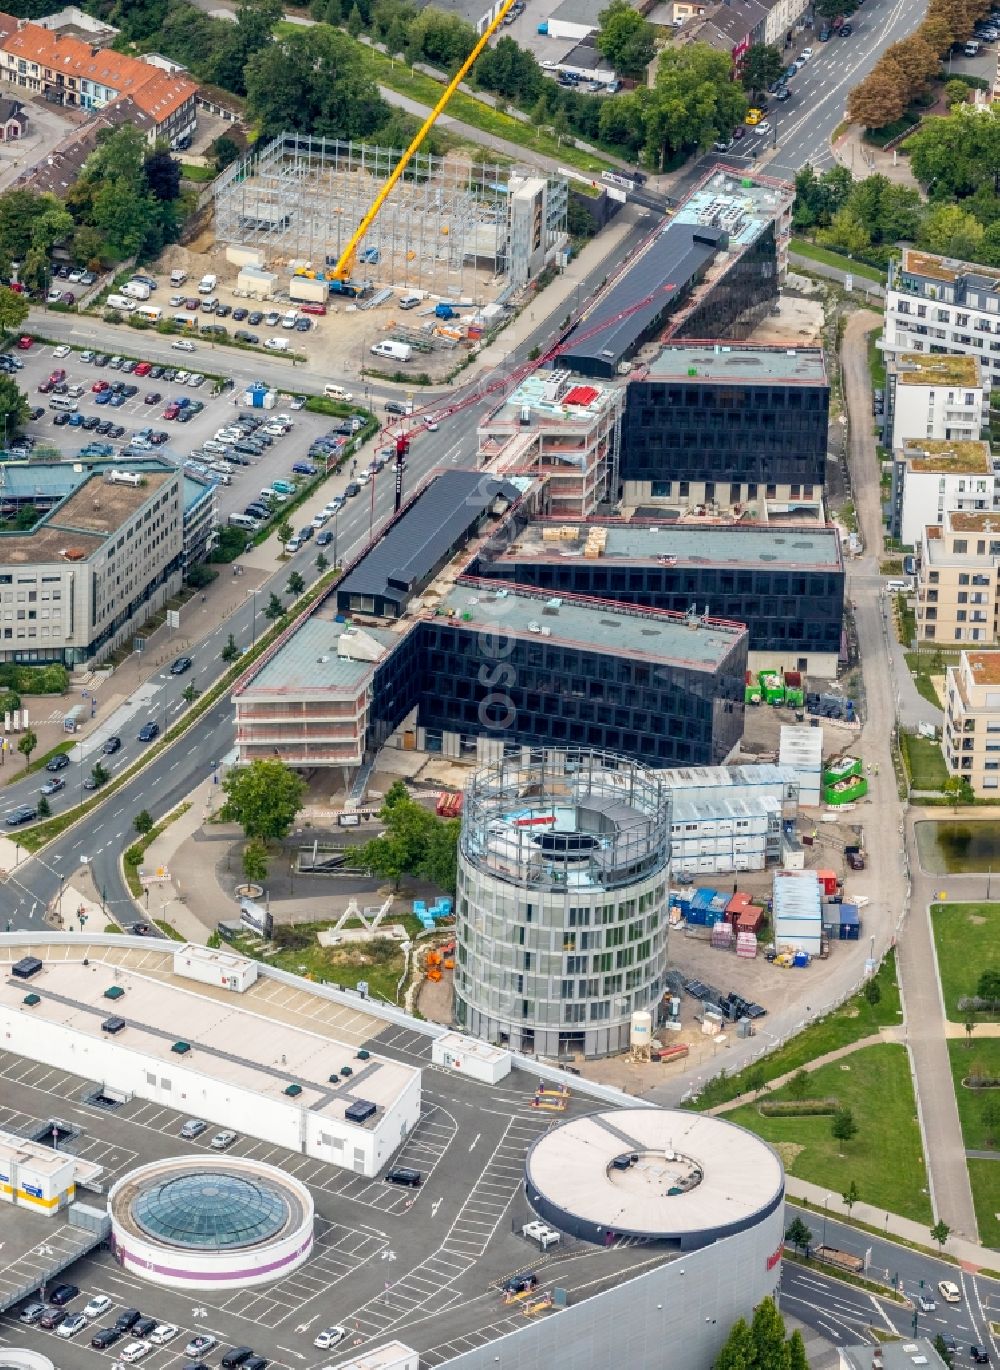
(702,430)
(740,299)
(556,694)
(795,611)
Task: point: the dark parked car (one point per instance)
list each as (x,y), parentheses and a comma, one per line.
(27,813)
(400,1174)
(180,665)
(235,1356)
(979,1355)
(148,731)
(106,1337)
(127,1319)
(63,1293)
(58,763)
(254,318)
(143,1326)
(51,1318)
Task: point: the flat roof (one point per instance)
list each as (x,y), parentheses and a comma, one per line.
(311,658)
(931,456)
(47,545)
(593,624)
(894,1355)
(45,1160)
(234,1039)
(960,522)
(102,506)
(738,364)
(416,542)
(757,545)
(938,268)
(557,395)
(984,667)
(936,368)
(733,1176)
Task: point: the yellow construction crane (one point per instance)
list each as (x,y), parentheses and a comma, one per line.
(344,270)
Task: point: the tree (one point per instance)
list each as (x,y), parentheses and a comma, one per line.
(767,1333)
(798,1234)
(255,862)
(321,563)
(956,155)
(881,97)
(508,69)
(143,822)
(970,1027)
(988,985)
(797,1352)
(760,68)
(14,414)
(190,693)
(693,102)
(756,1079)
(936,33)
(263,798)
(27,743)
(990,1118)
(737,1351)
(956,93)
(626,39)
(843,1127)
(255,20)
(872,992)
(846,231)
(43,807)
(13,310)
(817,198)
(274,608)
(621,121)
(851,1196)
(798,1085)
(99,775)
(959,788)
(916,59)
(285,531)
(830,9)
(415,842)
(316,82)
(295,584)
(163,174)
(224,151)
(940,1233)
(952,231)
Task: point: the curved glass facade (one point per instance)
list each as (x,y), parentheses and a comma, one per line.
(215,1210)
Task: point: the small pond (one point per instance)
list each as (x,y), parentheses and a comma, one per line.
(958,846)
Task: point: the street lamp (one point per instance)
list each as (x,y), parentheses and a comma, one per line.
(253,619)
(825,1202)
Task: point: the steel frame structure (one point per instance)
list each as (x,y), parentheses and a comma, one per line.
(444,228)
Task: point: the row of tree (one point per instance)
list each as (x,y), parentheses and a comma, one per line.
(761,1344)
(905,70)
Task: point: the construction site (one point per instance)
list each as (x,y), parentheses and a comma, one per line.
(451,227)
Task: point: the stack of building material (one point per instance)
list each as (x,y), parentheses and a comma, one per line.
(597,540)
(559,532)
(746,945)
(722,937)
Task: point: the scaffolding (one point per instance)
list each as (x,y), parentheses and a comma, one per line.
(445,228)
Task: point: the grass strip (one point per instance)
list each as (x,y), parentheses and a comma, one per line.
(804,248)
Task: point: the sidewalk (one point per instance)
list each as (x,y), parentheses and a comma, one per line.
(970,1254)
(170,899)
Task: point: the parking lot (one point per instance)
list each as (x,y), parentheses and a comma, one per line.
(424,1265)
(133,415)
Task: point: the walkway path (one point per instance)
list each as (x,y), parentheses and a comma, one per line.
(944,1148)
(888,1034)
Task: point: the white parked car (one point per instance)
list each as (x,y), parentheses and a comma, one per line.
(69,1327)
(320,519)
(183,345)
(330,1337)
(163,1332)
(62,350)
(805,54)
(763,127)
(135,1350)
(97,1306)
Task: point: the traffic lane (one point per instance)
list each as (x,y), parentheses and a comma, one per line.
(823,85)
(906,1268)
(840,1312)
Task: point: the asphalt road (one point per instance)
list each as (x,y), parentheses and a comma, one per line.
(839,1311)
(99,839)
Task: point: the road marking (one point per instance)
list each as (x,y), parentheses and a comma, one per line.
(475,1140)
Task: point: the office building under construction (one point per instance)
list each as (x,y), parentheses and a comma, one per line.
(451,226)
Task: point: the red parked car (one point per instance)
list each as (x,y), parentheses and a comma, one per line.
(99,386)
(143,368)
(313,308)
(24,342)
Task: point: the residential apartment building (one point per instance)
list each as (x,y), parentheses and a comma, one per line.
(69,71)
(727,426)
(939,304)
(931,478)
(958,579)
(104,558)
(972,721)
(201,519)
(933,396)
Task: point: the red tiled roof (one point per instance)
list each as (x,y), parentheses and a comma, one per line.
(154,91)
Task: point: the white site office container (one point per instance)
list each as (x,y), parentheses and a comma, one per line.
(215,967)
(466,1056)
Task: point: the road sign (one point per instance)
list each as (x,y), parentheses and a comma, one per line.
(173,618)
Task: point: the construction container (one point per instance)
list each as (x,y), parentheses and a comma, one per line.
(850,923)
(801,959)
(828,881)
(772,687)
(751,919)
(308,289)
(751,689)
(795,694)
(845,791)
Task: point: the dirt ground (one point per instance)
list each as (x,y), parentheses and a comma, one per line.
(799,319)
(762,731)
(434,1001)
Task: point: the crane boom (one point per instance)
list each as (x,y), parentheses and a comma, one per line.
(343,270)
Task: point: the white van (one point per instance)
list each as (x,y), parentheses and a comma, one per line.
(900,587)
(121,302)
(64,405)
(207,284)
(277,345)
(178,277)
(337,392)
(399,352)
(139,290)
(152,313)
(243,521)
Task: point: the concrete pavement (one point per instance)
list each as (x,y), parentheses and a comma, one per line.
(944,1149)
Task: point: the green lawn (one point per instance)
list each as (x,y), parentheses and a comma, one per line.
(193,172)
(984,1053)
(876,361)
(925,664)
(967,938)
(379,962)
(404,81)
(804,248)
(985,1177)
(875,1084)
(853,1020)
(906,620)
(924,762)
